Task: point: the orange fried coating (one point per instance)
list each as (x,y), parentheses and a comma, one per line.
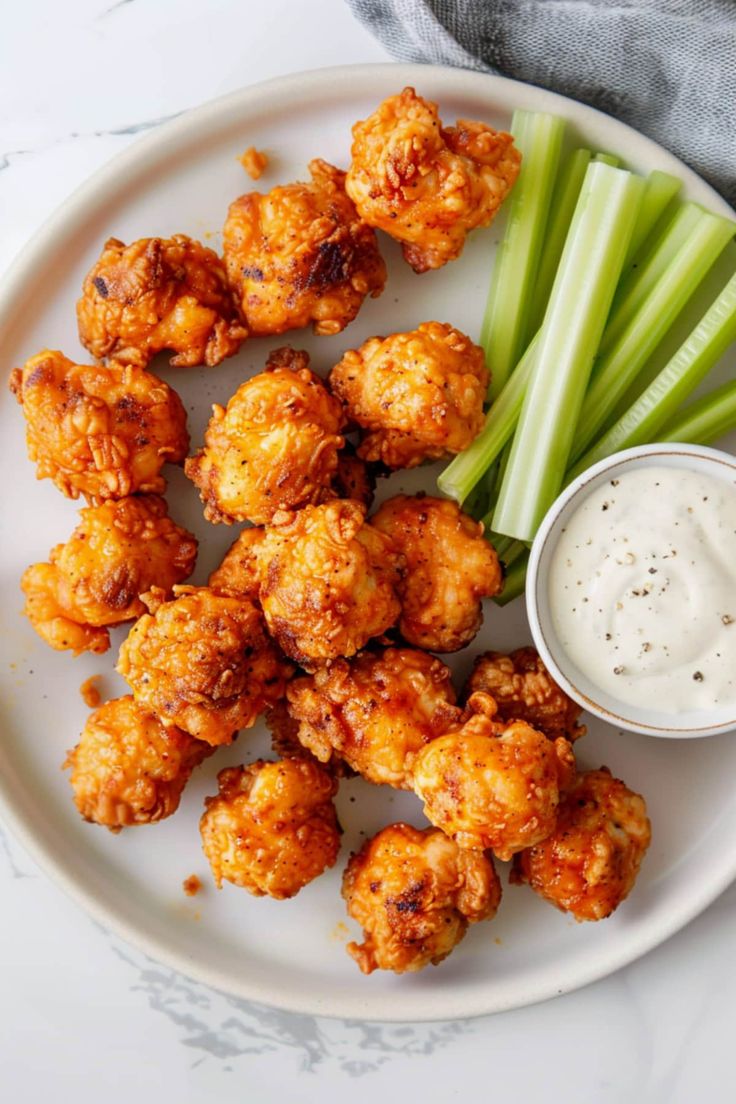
(129,768)
(101,432)
(353,478)
(118,551)
(492,785)
(327,581)
(416,396)
(375,711)
(159,293)
(449,569)
(424,184)
(274,447)
(272,828)
(414,893)
(203,662)
(238,572)
(524,690)
(301,254)
(254,161)
(588,865)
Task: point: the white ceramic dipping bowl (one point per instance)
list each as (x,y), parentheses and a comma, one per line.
(651,721)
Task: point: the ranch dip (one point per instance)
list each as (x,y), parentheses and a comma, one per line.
(642,589)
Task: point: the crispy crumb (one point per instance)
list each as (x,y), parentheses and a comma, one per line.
(340,932)
(254,161)
(90,694)
(191,885)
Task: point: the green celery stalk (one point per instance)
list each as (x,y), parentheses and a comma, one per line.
(624,360)
(638,283)
(515,580)
(505,330)
(660,191)
(706,420)
(463,473)
(688,367)
(581,297)
(608,159)
(565,196)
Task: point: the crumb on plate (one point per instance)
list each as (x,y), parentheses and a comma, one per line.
(254,161)
(191,885)
(90,694)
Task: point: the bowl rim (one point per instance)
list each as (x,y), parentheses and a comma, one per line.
(630,716)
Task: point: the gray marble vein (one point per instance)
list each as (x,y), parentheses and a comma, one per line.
(9,157)
(223,1029)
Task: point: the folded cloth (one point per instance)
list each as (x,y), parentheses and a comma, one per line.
(666,67)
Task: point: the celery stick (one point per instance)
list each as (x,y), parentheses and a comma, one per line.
(659,192)
(462,473)
(608,159)
(706,420)
(565,196)
(571,332)
(505,330)
(678,379)
(654,262)
(515,581)
(627,356)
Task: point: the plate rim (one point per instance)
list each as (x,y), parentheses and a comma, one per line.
(109,179)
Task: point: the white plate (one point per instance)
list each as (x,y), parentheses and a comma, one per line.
(291,954)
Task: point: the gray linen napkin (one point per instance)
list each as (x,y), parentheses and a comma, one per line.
(667,67)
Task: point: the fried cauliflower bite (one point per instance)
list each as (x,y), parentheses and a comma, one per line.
(274,447)
(327,581)
(524,690)
(118,551)
(492,785)
(238,572)
(301,254)
(588,865)
(203,662)
(416,396)
(449,569)
(272,828)
(353,478)
(159,293)
(129,768)
(427,185)
(101,432)
(375,711)
(414,893)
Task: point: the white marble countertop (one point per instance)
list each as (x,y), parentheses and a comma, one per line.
(83,1016)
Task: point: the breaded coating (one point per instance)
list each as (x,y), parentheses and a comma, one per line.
(353,478)
(129,768)
(118,551)
(274,447)
(96,431)
(301,254)
(524,690)
(414,893)
(203,662)
(427,185)
(450,567)
(492,785)
(272,828)
(285,742)
(416,396)
(327,581)
(375,711)
(155,294)
(238,572)
(588,865)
